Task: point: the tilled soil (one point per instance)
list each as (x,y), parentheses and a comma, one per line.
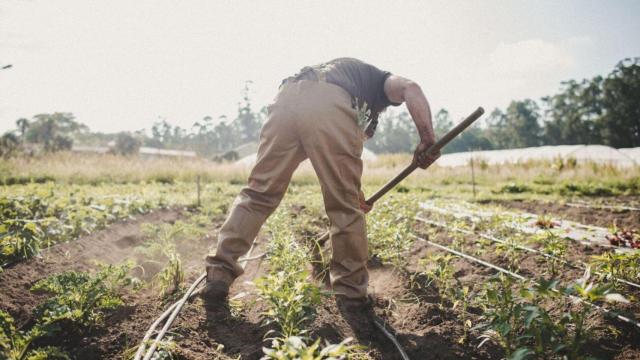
(421,328)
(425,325)
(111,245)
(533,266)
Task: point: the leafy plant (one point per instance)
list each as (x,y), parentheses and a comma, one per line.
(576,317)
(556,247)
(440,270)
(81,298)
(389,228)
(294,348)
(17,345)
(612,265)
(464,296)
(509,250)
(291,300)
(162,245)
(502,313)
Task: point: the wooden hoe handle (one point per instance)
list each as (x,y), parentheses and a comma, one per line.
(409,169)
(432,150)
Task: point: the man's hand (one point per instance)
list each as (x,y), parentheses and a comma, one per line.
(363,205)
(419,156)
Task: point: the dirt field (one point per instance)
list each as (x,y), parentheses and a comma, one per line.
(424,328)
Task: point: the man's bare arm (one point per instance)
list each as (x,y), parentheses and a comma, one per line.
(399,90)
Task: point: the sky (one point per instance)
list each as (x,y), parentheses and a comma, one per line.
(123,65)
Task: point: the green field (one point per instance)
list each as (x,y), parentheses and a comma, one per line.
(94,248)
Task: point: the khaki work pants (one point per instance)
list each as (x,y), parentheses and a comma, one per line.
(311,119)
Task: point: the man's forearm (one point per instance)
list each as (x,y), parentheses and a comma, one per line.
(420,111)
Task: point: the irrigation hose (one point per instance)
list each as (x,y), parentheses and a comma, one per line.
(380,324)
(610,207)
(175,308)
(522,278)
(524,248)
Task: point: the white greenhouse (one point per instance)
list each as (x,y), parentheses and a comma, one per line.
(582,153)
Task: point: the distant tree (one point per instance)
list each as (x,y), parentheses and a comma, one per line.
(496,130)
(161,133)
(395,134)
(620,121)
(442,123)
(23,125)
(54,131)
(572,114)
(247,122)
(126,144)
(225,136)
(9,144)
(522,128)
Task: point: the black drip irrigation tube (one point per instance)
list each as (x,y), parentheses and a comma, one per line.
(172,312)
(382,326)
(582,266)
(522,278)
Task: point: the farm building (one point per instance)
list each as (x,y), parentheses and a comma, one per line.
(596,153)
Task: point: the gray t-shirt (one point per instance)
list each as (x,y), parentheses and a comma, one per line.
(364,82)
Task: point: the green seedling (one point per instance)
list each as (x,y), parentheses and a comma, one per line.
(502,313)
(18,345)
(81,299)
(556,247)
(611,265)
(509,251)
(575,318)
(464,296)
(295,347)
(440,271)
(291,300)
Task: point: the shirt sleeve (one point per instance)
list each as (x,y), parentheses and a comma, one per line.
(384,99)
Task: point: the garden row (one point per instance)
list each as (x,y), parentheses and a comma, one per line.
(552,289)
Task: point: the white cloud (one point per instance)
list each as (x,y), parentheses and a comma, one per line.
(530,58)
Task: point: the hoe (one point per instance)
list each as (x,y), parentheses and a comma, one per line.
(413,166)
(170,314)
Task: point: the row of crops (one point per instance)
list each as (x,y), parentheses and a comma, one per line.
(38,216)
(34,217)
(557,292)
(530,286)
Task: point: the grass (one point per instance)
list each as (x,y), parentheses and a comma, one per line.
(539,178)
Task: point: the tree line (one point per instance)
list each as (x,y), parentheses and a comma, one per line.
(601,110)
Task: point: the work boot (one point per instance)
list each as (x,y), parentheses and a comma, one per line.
(216,289)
